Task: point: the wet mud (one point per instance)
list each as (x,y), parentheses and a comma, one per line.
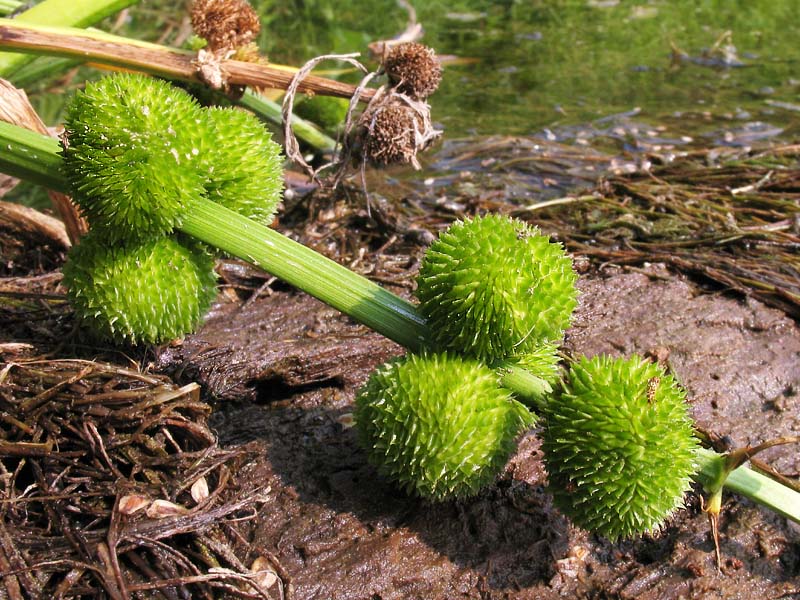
(284,370)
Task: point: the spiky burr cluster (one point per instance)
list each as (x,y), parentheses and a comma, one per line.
(438,425)
(145,292)
(133,155)
(619,446)
(138,153)
(496,288)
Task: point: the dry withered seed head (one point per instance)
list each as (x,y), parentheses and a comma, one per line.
(225,24)
(391,135)
(413,69)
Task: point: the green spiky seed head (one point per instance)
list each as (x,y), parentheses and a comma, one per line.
(618,446)
(243,165)
(152,291)
(439,425)
(495,287)
(131,155)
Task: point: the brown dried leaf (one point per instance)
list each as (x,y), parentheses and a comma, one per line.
(132,503)
(164,508)
(199,490)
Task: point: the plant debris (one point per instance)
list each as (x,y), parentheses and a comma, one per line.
(736,224)
(113,485)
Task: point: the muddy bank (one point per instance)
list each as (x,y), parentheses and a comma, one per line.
(281,370)
(339,531)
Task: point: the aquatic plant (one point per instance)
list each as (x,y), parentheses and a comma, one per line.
(493,288)
(619,445)
(438,425)
(139,154)
(366,302)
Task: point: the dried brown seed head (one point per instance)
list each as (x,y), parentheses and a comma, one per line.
(391,135)
(413,69)
(225,24)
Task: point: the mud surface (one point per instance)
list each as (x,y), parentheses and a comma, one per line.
(339,531)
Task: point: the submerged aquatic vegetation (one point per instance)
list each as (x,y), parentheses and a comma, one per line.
(731,223)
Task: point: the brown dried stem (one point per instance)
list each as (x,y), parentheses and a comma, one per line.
(111,50)
(73,519)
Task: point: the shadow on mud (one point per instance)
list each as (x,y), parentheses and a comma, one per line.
(509,535)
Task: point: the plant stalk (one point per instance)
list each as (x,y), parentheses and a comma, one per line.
(318,276)
(36,157)
(271,112)
(68,13)
(748,483)
(31,156)
(113,50)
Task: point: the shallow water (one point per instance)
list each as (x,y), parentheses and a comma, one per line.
(609,74)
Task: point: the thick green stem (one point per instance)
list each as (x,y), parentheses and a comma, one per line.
(309,271)
(759,488)
(31,156)
(36,157)
(532,390)
(67,13)
(271,112)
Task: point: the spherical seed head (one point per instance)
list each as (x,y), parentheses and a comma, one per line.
(131,155)
(618,446)
(225,24)
(494,288)
(243,165)
(413,69)
(151,292)
(390,137)
(439,425)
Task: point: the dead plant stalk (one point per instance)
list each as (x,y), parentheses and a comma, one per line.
(114,51)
